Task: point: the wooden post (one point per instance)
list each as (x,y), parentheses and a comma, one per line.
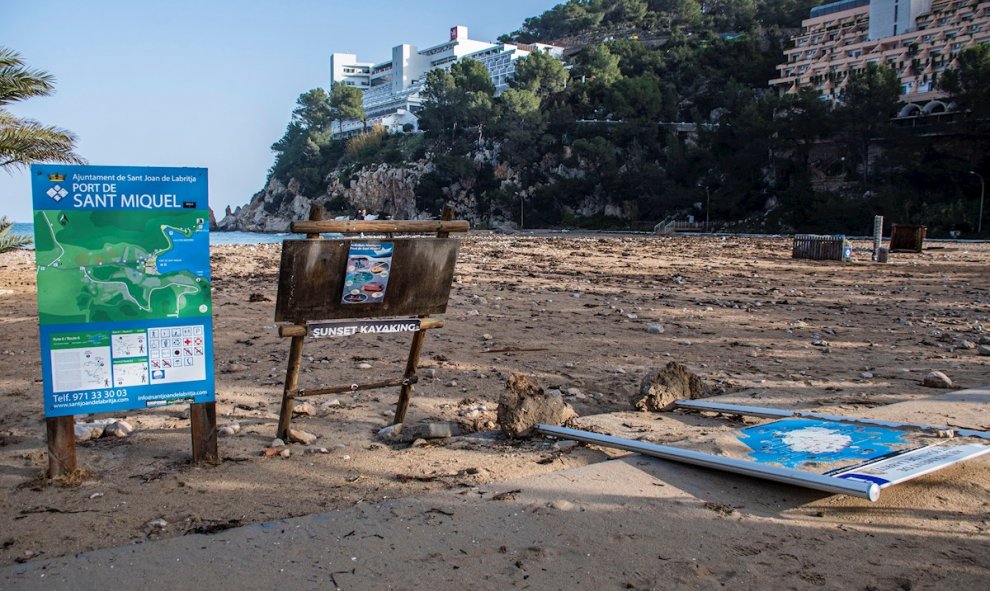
(291,382)
(402,406)
(295,355)
(61,445)
(407,388)
(446,216)
(203,424)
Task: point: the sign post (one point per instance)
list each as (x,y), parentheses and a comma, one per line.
(124,297)
(342,288)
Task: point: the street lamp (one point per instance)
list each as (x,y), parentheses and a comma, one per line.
(979,218)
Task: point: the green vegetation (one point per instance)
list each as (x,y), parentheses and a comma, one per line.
(10,241)
(24,141)
(664,109)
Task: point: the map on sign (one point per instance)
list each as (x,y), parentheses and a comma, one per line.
(97,269)
(123,263)
(802,442)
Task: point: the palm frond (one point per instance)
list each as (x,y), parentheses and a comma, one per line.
(23,141)
(18,82)
(11,241)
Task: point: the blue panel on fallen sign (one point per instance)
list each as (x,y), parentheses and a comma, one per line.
(793,442)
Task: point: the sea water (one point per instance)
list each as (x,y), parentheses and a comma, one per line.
(216,238)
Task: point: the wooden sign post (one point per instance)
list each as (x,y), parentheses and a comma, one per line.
(340,288)
(62,439)
(125,310)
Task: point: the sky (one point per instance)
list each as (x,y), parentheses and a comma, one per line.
(207,83)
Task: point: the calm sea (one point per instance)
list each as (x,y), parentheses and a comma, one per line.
(215,237)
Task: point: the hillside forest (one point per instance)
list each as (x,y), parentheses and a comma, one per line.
(661,110)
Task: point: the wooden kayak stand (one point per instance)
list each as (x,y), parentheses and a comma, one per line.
(316,275)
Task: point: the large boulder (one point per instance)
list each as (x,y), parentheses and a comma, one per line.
(525,404)
(662,387)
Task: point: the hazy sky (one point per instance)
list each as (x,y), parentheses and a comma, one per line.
(208,83)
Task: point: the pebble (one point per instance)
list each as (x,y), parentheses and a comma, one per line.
(451,384)
(302,437)
(866,375)
(486,337)
(983,350)
(364,366)
(157,524)
(937,379)
(286,453)
(118,429)
(334,402)
(87,431)
(277,443)
(985,340)
(655,328)
(228,430)
(568,444)
(964,344)
(562,505)
(305,408)
(392,432)
(429,372)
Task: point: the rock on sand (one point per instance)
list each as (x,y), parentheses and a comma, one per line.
(524,404)
(662,387)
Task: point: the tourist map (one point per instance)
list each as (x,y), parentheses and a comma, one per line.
(124,295)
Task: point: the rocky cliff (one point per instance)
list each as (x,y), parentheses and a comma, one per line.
(390,190)
(385,189)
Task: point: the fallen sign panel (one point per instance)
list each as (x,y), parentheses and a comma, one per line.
(778,448)
(899,468)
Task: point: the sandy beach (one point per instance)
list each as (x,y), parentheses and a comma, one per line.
(573,312)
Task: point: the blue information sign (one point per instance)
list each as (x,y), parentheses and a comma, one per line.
(124,295)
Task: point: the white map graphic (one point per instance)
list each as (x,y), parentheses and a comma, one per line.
(130,374)
(80,369)
(129,345)
(816,440)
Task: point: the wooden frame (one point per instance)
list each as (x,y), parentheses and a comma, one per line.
(62,439)
(296,302)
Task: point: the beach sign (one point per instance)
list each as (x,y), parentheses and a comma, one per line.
(124,294)
(349,287)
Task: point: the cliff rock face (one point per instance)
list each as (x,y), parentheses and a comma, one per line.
(270,210)
(385,189)
(390,190)
(382,188)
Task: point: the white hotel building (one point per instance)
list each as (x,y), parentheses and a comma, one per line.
(392,88)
